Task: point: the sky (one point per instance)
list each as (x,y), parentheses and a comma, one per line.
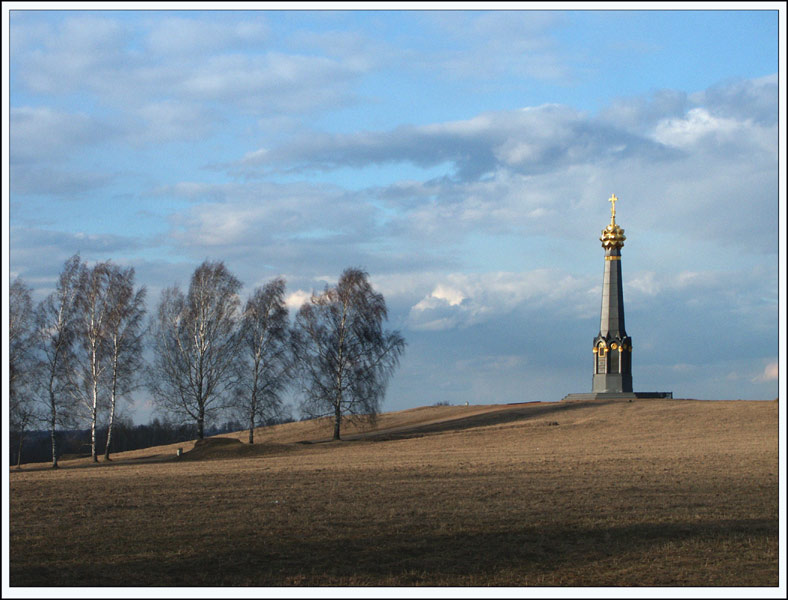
(463,158)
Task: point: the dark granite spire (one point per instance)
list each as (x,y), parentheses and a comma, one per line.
(612,347)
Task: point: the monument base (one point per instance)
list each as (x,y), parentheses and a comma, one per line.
(612,383)
(628,396)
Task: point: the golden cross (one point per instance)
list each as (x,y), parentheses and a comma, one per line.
(613,201)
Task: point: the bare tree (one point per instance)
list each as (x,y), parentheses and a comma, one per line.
(55,331)
(124,339)
(344,356)
(22,363)
(90,363)
(195,344)
(264,366)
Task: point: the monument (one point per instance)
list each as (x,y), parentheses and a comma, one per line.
(612,373)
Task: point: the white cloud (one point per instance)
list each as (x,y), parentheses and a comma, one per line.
(549,139)
(712,168)
(771,372)
(497,365)
(43,133)
(356,50)
(194,36)
(38,254)
(516,44)
(170,121)
(296,299)
(699,126)
(642,113)
(695,125)
(439,310)
(255,156)
(742,100)
(463,299)
(528,141)
(176,78)
(652,284)
(60,182)
(254,214)
(85,51)
(445,294)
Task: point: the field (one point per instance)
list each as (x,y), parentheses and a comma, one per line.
(647,493)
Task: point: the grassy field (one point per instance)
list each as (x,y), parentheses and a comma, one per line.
(648,493)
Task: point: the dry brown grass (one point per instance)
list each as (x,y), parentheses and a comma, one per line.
(649,493)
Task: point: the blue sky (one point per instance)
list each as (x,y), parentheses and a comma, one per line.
(463,157)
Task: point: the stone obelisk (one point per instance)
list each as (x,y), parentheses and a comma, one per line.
(612,346)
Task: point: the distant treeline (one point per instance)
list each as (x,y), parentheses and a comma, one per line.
(76,443)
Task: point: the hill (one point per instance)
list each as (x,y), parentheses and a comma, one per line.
(657,492)
(413,422)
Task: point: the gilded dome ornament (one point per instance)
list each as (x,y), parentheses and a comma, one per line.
(612,235)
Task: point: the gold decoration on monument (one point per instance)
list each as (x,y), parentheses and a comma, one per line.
(612,235)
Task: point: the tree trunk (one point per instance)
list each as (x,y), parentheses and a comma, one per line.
(112,399)
(19,451)
(253,404)
(54,447)
(109,427)
(340,367)
(337,420)
(95,371)
(201,424)
(53,424)
(93,416)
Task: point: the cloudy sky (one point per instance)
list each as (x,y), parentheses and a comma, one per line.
(463,158)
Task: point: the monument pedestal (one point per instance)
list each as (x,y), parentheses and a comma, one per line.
(623,396)
(612,383)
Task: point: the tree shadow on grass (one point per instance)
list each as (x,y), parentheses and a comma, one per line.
(520,556)
(498,417)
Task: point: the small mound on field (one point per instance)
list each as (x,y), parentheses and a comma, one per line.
(225,447)
(214,442)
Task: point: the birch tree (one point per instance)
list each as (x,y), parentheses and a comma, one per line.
(91,357)
(55,334)
(124,335)
(344,356)
(264,366)
(195,344)
(22,363)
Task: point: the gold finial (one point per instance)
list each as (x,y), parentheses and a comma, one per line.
(613,201)
(612,235)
